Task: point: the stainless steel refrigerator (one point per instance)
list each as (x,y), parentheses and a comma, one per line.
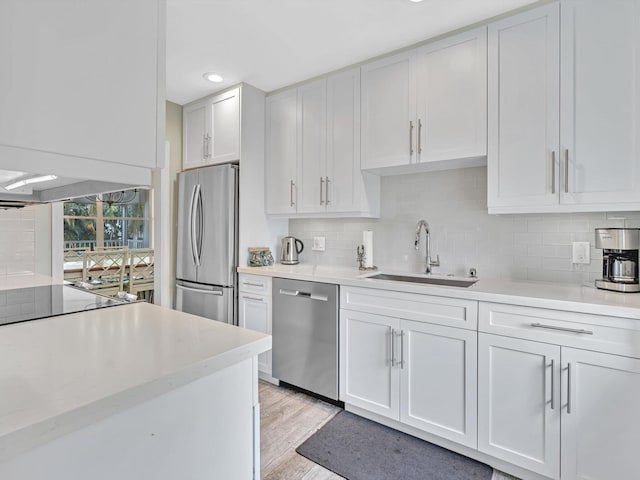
(207,250)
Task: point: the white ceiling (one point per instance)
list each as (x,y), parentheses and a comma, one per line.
(274,43)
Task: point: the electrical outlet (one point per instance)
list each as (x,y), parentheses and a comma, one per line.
(581,252)
(318,244)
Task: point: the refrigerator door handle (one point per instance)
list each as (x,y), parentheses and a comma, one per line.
(193,229)
(217,293)
(200,216)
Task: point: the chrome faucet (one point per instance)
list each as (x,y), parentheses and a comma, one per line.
(429,263)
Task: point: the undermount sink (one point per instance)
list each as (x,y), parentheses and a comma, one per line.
(448,282)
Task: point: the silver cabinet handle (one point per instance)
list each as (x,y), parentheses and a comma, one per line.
(563,329)
(392,335)
(326,196)
(553,172)
(252,284)
(419,136)
(568,388)
(566,171)
(553,384)
(292,203)
(401,335)
(411,138)
(207,145)
(257,299)
(321,187)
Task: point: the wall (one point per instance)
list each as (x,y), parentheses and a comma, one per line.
(174,137)
(17,241)
(516,247)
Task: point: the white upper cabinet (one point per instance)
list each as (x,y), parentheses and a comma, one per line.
(224,136)
(389,111)
(211,130)
(313,151)
(564,90)
(312,141)
(82,84)
(452,97)
(194,135)
(523,109)
(345,180)
(600,95)
(281,144)
(426,105)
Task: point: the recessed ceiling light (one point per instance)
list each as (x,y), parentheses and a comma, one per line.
(28,181)
(212,77)
(415,1)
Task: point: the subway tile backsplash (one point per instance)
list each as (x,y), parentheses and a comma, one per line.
(17,241)
(516,247)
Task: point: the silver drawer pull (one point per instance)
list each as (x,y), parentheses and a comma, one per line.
(251,284)
(257,299)
(563,329)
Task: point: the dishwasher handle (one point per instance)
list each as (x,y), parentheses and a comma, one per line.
(298,293)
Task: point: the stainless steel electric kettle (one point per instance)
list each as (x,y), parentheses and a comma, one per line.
(290,250)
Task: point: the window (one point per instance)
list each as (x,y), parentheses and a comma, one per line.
(94,225)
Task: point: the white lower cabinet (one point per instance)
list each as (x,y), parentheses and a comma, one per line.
(519,402)
(438,380)
(369,377)
(420,374)
(254,311)
(551,407)
(600,416)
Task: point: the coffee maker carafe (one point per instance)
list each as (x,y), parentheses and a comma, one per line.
(619,258)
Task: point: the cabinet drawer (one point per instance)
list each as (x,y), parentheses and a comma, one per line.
(452,312)
(620,336)
(254,284)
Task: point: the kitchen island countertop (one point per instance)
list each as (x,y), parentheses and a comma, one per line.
(576,298)
(58,375)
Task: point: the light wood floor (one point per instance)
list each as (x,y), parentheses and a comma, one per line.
(288,418)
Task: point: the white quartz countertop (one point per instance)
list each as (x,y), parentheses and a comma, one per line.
(577,298)
(60,374)
(10,282)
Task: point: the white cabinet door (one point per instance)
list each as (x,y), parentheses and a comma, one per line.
(281,124)
(600,92)
(389,111)
(369,378)
(519,402)
(343,177)
(311,157)
(81,80)
(195,135)
(255,314)
(600,418)
(452,97)
(439,381)
(523,128)
(224,128)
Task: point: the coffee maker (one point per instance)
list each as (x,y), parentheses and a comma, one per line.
(619,258)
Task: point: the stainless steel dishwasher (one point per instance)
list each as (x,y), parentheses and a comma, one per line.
(305,335)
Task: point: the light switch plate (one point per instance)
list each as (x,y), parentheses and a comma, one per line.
(581,252)
(318,244)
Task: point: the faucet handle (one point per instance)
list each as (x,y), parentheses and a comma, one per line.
(436,263)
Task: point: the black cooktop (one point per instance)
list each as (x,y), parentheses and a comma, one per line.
(24,304)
